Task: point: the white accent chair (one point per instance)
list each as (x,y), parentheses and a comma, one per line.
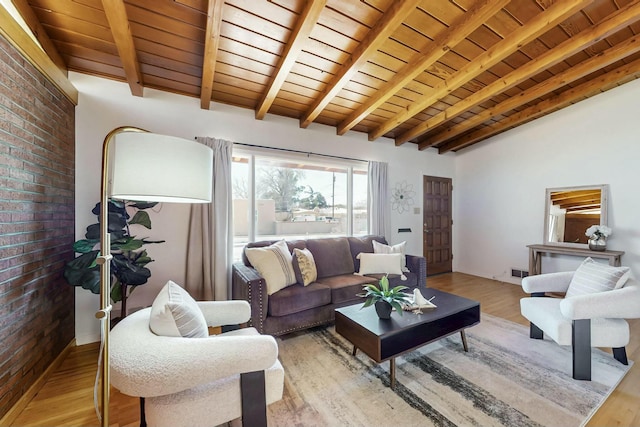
(198,381)
(582,321)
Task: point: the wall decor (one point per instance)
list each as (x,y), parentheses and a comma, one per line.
(402,197)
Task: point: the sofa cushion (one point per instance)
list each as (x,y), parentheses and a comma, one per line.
(332,256)
(362,244)
(304,266)
(346,287)
(297,298)
(274,263)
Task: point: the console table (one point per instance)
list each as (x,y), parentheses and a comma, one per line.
(536,252)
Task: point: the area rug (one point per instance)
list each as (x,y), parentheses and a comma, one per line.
(506,379)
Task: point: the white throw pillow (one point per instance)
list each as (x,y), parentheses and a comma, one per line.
(174,313)
(381,248)
(274,263)
(379,263)
(592,277)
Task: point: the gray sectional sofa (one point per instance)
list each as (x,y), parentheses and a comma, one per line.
(298,307)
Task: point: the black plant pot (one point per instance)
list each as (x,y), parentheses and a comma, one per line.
(383,309)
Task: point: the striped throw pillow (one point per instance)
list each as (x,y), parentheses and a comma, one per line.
(592,277)
(274,263)
(174,313)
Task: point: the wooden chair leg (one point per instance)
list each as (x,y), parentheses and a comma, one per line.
(620,354)
(581,344)
(254,399)
(535,332)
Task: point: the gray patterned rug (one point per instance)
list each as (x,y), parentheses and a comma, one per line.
(506,379)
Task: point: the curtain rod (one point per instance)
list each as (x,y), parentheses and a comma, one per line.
(308,153)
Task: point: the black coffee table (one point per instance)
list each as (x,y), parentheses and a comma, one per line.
(384,340)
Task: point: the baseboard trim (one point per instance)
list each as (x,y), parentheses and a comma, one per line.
(24,400)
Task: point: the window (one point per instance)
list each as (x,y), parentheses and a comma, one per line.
(296,197)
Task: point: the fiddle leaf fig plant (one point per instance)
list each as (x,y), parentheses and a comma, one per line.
(128,265)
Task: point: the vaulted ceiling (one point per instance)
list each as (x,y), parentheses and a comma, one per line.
(435,73)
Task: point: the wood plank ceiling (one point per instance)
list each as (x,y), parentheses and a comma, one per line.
(436,73)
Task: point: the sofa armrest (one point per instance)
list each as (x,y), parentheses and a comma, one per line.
(549,282)
(248,285)
(418,265)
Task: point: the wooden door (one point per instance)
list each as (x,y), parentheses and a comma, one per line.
(436,232)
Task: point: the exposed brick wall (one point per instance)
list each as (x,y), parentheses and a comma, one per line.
(37,168)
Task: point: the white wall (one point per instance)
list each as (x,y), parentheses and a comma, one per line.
(104,105)
(500,183)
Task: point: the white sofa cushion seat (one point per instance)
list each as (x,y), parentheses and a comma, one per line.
(546,314)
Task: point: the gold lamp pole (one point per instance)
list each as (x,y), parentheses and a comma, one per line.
(173,170)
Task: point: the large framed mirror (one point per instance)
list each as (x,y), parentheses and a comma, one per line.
(569,211)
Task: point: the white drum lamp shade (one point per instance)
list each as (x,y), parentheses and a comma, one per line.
(159,168)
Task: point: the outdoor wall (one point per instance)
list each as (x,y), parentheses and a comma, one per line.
(104,105)
(500,183)
(37,158)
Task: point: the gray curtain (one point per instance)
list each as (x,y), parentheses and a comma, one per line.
(210,239)
(378,199)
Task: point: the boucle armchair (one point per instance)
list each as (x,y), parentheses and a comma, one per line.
(198,381)
(582,320)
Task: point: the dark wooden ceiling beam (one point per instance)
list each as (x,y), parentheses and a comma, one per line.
(40,34)
(121,31)
(211,43)
(299,35)
(379,34)
(476,16)
(499,51)
(564,50)
(590,88)
(606,58)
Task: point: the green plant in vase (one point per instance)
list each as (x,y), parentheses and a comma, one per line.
(384,298)
(128,265)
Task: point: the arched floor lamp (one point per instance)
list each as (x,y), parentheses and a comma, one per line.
(142,166)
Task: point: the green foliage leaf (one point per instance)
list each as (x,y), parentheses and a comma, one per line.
(127,244)
(83,271)
(128,272)
(142,205)
(116,292)
(141,218)
(85,245)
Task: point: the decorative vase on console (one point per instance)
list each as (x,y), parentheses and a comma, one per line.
(598,237)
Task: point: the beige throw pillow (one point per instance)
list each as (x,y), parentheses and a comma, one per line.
(592,277)
(274,263)
(304,266)
(174,313)
(379,264)
(381,248)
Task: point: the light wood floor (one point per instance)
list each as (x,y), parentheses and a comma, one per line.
(67,397)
